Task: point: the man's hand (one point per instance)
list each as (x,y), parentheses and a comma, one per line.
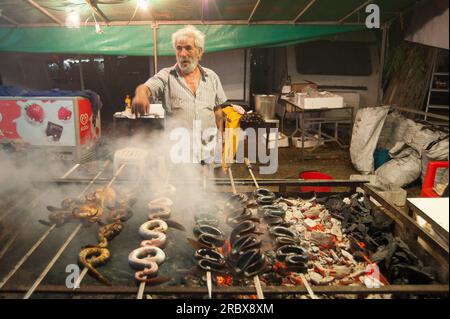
(141,103)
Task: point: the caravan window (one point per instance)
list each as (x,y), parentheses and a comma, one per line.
(333,58)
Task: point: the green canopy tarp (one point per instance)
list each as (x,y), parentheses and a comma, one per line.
(138,40)
(40,25)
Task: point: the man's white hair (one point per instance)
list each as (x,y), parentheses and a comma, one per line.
(191,32)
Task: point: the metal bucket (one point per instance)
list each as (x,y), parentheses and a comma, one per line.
(265,105)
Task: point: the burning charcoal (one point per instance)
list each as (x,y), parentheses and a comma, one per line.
(54,130)
(334,204)
(411,274)
(323,240)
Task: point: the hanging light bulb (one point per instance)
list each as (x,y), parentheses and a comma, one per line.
(73,19)
(143,4)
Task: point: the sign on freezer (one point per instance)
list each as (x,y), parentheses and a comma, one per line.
(38,122)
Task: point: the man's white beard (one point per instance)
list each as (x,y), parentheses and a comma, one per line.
(190,67)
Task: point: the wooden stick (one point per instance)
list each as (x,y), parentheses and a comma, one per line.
(308,287)
(249,166)
(258,287)
(209,284)
(141,290)
(230,174)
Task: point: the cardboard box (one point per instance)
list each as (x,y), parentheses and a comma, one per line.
(302,87)
(324,100)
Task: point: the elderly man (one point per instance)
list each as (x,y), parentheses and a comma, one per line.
(188,91)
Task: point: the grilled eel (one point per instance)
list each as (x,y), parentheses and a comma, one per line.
(92,256)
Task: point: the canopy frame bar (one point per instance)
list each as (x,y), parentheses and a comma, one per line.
(44,11)
(303,11)
(355,10)
(97,11)
(4,17)
(253,11)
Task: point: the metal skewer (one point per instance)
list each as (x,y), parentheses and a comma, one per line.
(33,204)
(66,243)
(70,171)
(47,232)
(7,245)
(259,291)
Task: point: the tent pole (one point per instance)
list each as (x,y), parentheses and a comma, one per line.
(384,28)
(155,46)
(81,73)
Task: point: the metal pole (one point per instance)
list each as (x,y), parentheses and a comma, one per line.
(155,46)
(385,28)
(81,75)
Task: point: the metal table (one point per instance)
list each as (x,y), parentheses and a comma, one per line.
(435,212)
(301,121)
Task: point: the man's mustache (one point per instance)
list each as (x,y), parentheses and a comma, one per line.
(184,60)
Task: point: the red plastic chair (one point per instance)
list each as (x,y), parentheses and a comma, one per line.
(428,181)
(315,175)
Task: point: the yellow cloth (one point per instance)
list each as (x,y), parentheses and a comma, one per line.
(232,128)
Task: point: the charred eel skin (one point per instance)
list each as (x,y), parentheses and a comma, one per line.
(250,263)
(241,230)
(244,244)
(210,260)
(209,236)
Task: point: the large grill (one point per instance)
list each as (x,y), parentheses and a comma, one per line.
(34,258)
